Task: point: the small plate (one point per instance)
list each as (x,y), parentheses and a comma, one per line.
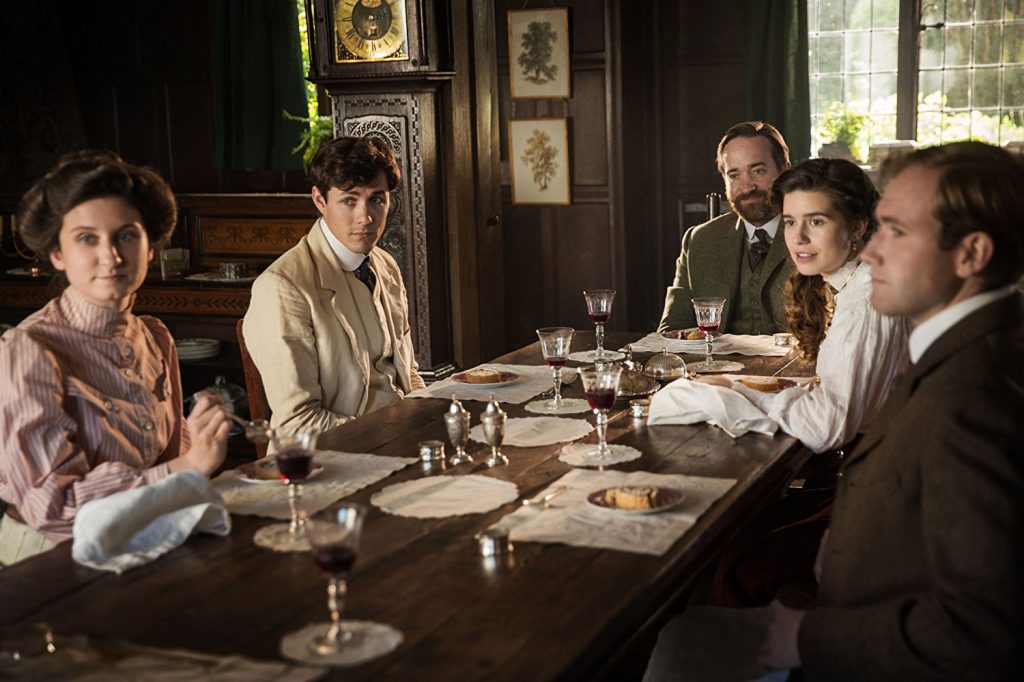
(506,378)
(264,472)
(681,334)
(667,498)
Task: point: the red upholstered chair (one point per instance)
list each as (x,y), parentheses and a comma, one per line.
(258,406)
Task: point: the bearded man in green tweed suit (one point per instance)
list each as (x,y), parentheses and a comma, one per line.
(743,259)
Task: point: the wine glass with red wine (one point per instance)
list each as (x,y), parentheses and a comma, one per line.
(554,344)
(294,456)
(709,316)
(601,382)
(334,535)
(599,308)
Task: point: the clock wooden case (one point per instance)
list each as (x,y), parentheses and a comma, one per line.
(377,38)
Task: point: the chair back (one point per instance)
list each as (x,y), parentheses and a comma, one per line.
(259,408)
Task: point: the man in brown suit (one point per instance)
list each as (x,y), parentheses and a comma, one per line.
(922,573)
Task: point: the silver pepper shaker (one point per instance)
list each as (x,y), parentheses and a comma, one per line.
(494,433)
(493,406)
(456,406)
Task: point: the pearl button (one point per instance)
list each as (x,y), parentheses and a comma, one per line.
(148,426)
(128,372)
(109,406)
(126,352)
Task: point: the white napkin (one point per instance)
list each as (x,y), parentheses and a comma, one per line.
(132,527)
(533,379)
(530,432)
(434,497)
(691,402)
(344,473)
(742,344)
(571,520)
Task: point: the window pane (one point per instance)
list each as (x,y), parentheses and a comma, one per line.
(883,93)
(1013,86)
(959,11)
(1014,9)
(830,52)
(1013,43)
(830,89)
(812,54)
(886,14)
(986,44)
(929,94)
(812,16)
(989,10)
(958,45)
(986,88)
(1011,127)
(932,12)
(883,128)
(831,15)
(932,41)
(884,50)
(955,87)
(858,51)
(858,14)
(858,91)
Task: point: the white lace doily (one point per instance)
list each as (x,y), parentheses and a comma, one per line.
(530,432)
(569,406)
(589,355)
(435,497)
(577,455)
(369,641)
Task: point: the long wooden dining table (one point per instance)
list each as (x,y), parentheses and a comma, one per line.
(547,611)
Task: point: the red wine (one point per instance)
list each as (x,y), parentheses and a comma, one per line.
(294,463)
(709,327)
(334,559)
(599,318)
(555,362)
(601,398)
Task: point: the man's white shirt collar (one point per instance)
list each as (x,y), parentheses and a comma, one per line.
(926,333)
(771,227)
(350,260)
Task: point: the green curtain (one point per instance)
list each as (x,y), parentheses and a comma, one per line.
(777,70)
(258,75)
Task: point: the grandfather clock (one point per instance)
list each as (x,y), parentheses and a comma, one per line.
(389,67)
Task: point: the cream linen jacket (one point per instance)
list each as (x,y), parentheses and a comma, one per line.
(299,336)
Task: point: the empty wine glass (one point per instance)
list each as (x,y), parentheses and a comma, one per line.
(599,308)
(334,535)
(294,455)
(709,316)
(601,382)
(457,424)
(493,424)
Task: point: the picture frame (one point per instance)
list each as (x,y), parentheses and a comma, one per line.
(538,53)
(538,159)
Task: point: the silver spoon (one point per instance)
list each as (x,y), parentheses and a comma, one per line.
(258,431)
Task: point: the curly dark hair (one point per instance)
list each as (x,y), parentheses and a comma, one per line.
(853,195)
(347,162)
(82,176)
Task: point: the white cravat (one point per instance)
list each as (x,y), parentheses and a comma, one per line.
(349,259)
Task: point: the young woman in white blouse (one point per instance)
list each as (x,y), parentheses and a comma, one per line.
(91,400)
(827,217)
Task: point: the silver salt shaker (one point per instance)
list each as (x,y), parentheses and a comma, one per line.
(494,434)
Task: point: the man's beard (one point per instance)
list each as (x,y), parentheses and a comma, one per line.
(755,212)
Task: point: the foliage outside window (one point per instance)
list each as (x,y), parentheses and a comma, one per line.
(970,76)
(320,128)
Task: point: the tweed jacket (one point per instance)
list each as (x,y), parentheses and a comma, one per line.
(923,573)
(298,332)
(709,265)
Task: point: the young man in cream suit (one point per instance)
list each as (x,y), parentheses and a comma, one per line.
(328,323)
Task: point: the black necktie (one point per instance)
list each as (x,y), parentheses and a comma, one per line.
(759,248)
(365,274)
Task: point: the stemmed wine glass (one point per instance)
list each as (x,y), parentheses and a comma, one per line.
(294,455)
(709,316)
(554,344)
(599,308)
(334,535)
(601,382)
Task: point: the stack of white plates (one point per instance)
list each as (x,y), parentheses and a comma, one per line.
(197,349)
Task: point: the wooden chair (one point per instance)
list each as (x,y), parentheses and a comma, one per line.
(259,408)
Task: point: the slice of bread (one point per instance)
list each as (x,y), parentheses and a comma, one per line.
(483,376)
(763,384)
(631,497)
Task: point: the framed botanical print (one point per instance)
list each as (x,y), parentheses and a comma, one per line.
(370,31)
(538,49)
(538,159)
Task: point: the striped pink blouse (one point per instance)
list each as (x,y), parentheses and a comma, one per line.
(90,404)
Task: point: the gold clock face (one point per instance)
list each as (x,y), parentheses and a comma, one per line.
(369,31)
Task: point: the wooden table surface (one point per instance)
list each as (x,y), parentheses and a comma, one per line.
(548,612)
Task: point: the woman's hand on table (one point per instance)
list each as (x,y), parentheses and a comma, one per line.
(208,426)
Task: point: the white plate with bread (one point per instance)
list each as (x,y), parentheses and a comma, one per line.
(484,377)
(636,499)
